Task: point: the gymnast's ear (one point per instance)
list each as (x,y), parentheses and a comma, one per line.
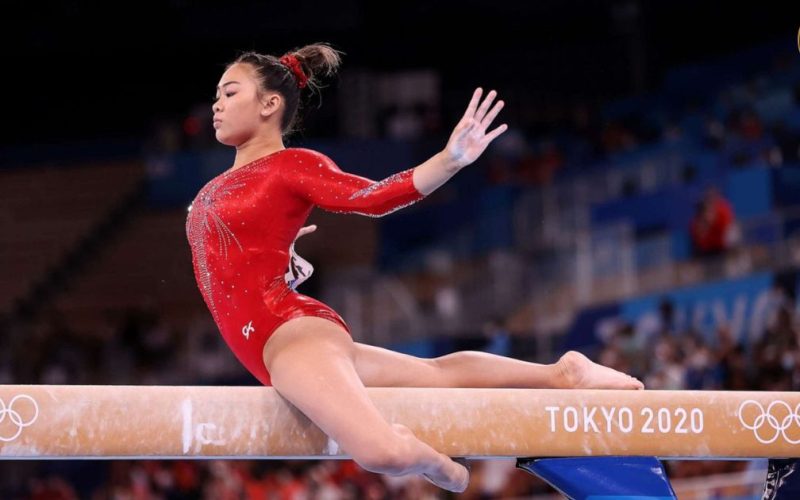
(271,102)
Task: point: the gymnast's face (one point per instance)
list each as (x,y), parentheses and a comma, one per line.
(241,111)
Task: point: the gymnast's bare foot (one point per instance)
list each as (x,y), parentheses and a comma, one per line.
(453,477)
(441,470)
(579,372)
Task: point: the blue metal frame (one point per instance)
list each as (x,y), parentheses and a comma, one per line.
(603,478)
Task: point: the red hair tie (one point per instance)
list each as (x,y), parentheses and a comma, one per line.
(293,64)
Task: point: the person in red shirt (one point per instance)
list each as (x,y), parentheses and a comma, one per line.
(241,226)
(713,227)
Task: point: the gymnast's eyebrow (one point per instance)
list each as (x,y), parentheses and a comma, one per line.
(227,83)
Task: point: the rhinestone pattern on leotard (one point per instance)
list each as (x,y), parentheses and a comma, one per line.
(398,178)
(203,219)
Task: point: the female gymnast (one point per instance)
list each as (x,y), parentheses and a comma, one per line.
(241,227)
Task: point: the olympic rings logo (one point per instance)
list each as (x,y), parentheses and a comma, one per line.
(765,418)
(15,417)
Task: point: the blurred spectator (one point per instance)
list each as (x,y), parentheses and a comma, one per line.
(701,370)
(431,121)
(776,353)
(713,228)
(672,132)
(747,125)
(714,136)
(51,488)
(731,361)
(541,167)
(504,155)
(668,371)
(498,338)
(405,122)
(224,482)
(447,300)
(616,138)
(788,144)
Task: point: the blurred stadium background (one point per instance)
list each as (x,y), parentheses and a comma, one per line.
(644,206)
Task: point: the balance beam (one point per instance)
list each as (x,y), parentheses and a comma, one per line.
(123,421)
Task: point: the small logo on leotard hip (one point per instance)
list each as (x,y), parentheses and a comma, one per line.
(247,330)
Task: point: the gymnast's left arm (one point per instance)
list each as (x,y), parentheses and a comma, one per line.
(317,179)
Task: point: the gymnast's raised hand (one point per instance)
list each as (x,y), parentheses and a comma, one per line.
(469,138)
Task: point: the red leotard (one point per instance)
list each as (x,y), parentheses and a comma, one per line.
(240,228)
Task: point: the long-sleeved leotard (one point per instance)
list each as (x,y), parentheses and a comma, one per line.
(241,227)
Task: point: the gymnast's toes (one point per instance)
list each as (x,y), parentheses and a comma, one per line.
(576,371)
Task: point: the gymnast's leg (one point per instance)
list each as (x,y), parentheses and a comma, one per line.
(311,362)
(380,367)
